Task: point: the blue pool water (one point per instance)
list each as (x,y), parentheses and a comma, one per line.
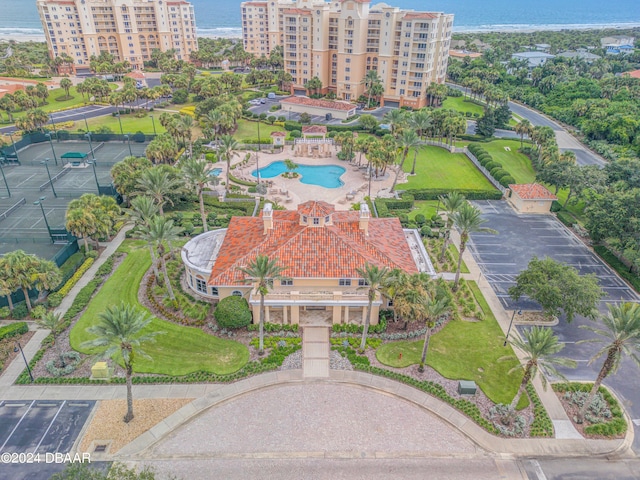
(215,172)
(327,176)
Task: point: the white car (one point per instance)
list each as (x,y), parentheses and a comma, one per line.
(255,102)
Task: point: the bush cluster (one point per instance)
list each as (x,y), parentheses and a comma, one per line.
(274,327)
(165,310)
(493,167)
(381,327)
(347,350)
(434,193)
(72,360)
(566,218)
(13,330)
(542,426)
(76,276)
(38,312)
(19,311)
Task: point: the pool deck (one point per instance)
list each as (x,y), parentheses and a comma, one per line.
(291,192)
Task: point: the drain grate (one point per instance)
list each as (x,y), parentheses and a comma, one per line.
(100,449)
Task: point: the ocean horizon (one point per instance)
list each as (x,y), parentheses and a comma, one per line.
(222,19)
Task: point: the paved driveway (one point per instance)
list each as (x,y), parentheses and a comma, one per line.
(39,429)
(520,237)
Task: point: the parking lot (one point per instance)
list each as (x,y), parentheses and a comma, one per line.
(33,432)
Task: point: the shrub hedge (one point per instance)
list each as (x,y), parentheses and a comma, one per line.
(233,312)
(566,218)
(76,276)
(13,330)
(609,257)
(434,193)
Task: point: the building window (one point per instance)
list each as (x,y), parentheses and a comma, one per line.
(236,293)
(316,221)
(214,291)
(286,283)
(304,219)
(362,282)
(326,219)
(201,286)
(344,282)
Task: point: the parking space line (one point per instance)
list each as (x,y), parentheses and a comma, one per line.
(49,427)
(490,263)
(16,427)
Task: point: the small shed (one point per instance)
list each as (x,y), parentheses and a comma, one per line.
(531,198)
(278,138)
(75,158)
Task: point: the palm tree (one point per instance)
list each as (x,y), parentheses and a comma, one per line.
(433,307)
(370,79)
(158,184)
(228,150)
(468,220)
(196,175)
(143,210)
(46,275)
(397,119)
(375,279)
(262,272)
(185,124)
(421,122)
(53,321)
(159,231)
(66,85)
(523,128)
(621,336)
(451,203)
(21,267)
(408,140)
(539,347)
(8,283)
(120,330)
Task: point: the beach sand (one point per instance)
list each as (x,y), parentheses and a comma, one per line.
(22,38)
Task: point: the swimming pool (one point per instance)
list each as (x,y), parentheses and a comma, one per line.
(327,176)
(215,172)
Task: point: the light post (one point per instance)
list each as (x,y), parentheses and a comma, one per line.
(45,162)
(46,222)
(5,179)
(153,122)
(14,147)
(17,348)
(53,124)
(128,138)
(88,135)
(86,124)
(48,135)
(506,338)
(120,122)
(93,164)
(370,173)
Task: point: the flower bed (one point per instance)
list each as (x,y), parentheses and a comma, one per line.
(66,288)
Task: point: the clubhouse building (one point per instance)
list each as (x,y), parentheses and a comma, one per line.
(320,250)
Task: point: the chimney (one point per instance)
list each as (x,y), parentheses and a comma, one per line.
(267,217)
(364,217)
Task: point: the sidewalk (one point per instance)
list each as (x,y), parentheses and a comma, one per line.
(563,426)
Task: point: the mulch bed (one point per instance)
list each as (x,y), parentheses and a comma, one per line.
(7,346)
(572,411)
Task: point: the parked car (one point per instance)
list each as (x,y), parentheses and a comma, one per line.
(263,100)
(271,95)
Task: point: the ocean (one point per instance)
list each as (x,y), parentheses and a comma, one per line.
(219,18)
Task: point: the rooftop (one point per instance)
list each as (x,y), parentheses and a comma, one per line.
(316,209)
(532,191)
(326,104)
(311,129)
(634,74)
(532,55)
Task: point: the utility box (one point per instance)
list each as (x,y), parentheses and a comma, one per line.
(100,370)
(467,387)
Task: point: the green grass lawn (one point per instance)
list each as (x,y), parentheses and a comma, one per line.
(425,207)
(454,251)
(180,350)
(517,164)
(577,209)
(437,168)
(460,104)
(247,129)
(130,123)
(464,351)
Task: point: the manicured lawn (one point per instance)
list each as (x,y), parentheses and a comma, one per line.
(460,104)
(130,123)
(517,164)
(577,209)
(437,168)
(180,350)
(425,207)
(247,129)
(464,351)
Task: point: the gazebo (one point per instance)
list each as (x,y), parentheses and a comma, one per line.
(75,158)
(278,138)
(314,142)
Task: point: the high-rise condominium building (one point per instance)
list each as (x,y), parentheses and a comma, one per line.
(128,29)
(339,41)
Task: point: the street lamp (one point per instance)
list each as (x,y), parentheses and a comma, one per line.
(46,222)
(45,162)
(120,122)
(153,122)
(17,348)
(5,179)
(14,147)
(86,124)
(506,338)
(128,138)
(88,135)
(53,124)
(48,135)
(93,164)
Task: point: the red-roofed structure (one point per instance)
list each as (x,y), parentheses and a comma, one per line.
(342,110)
(633,74)
(531,198)
(320,250)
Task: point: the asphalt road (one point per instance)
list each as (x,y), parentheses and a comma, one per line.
(582,469)
(33,432)
(565,140)
(521,237)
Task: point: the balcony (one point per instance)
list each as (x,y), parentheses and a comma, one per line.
(295,295)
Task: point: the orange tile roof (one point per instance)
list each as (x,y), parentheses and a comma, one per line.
(532,191)
(333,251)
(634,74)
(314,129)
(311,102)
(135,74)
(420,15)
(278,134)
(315,208)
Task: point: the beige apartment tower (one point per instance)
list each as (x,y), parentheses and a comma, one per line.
(128,29)
(339,41)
